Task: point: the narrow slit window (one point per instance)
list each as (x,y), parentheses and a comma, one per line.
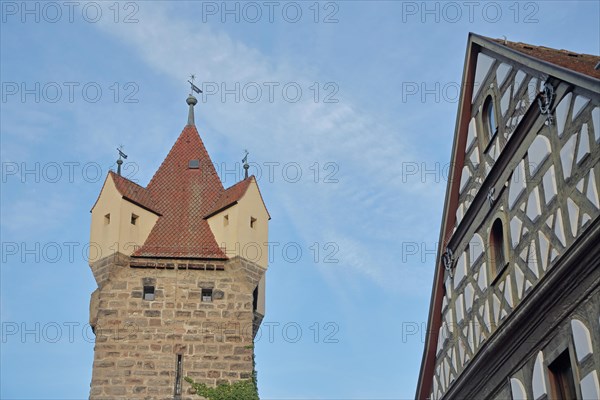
(134,219)
(226,220)
(561,377)
(107,219)
(255,299)
(149,293)
(194,164)
(207,295)
(252,222)
(178,374)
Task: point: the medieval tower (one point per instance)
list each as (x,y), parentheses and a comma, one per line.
(177,296)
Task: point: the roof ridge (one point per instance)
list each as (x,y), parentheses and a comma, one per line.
(240,182)
(113,173)
(229,196)
(572,61)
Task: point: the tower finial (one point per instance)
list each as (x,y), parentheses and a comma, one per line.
(246,166)
(191,100)
(120,160)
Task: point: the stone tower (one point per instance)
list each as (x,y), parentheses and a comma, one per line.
(180,267)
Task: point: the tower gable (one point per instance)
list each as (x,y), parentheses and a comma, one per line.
(122,218)
(239,223)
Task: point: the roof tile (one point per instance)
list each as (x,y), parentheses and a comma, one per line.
(582,63)
(135,193)
(230,196)
(184,196)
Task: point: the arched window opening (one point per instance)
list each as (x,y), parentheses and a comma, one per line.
(498,258)
(489,117)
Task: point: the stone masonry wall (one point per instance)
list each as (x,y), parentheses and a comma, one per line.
(137,340)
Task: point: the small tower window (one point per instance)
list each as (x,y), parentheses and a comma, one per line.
(561,377)
(107,219)
(255,299)
(134,219)
(489,117)
(149,293)
(194,164)
(207,295)
(252,222)
(178,374)
(226,220)
(497,249)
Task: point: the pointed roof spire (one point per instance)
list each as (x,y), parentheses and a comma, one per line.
(185,187)
(246,166)
(191,100)
(120,160)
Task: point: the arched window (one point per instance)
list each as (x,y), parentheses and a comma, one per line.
(489,117)
(497,255)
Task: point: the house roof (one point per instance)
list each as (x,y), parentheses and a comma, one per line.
(184,196)
(578,69)
(582,63)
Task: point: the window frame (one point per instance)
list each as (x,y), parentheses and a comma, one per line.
(558,374)
(149,290)
(206,295)
(489,110)
(482,119)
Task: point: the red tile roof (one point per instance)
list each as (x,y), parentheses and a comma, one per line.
(135,193)
(230,196)
(184,196)
(582,63)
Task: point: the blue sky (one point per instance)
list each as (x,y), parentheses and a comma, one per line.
(371,149)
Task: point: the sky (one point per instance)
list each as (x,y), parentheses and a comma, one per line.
(347,109)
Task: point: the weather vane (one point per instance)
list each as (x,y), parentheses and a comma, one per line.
(120,160)
(194,87)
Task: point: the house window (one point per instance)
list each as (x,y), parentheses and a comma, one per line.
(178,374)
(226,220)
(134,219)
(194,164)
(207,295)
(497,249)
(489,117)
(561,377)
(107,219)
(252,222)
(149,293)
